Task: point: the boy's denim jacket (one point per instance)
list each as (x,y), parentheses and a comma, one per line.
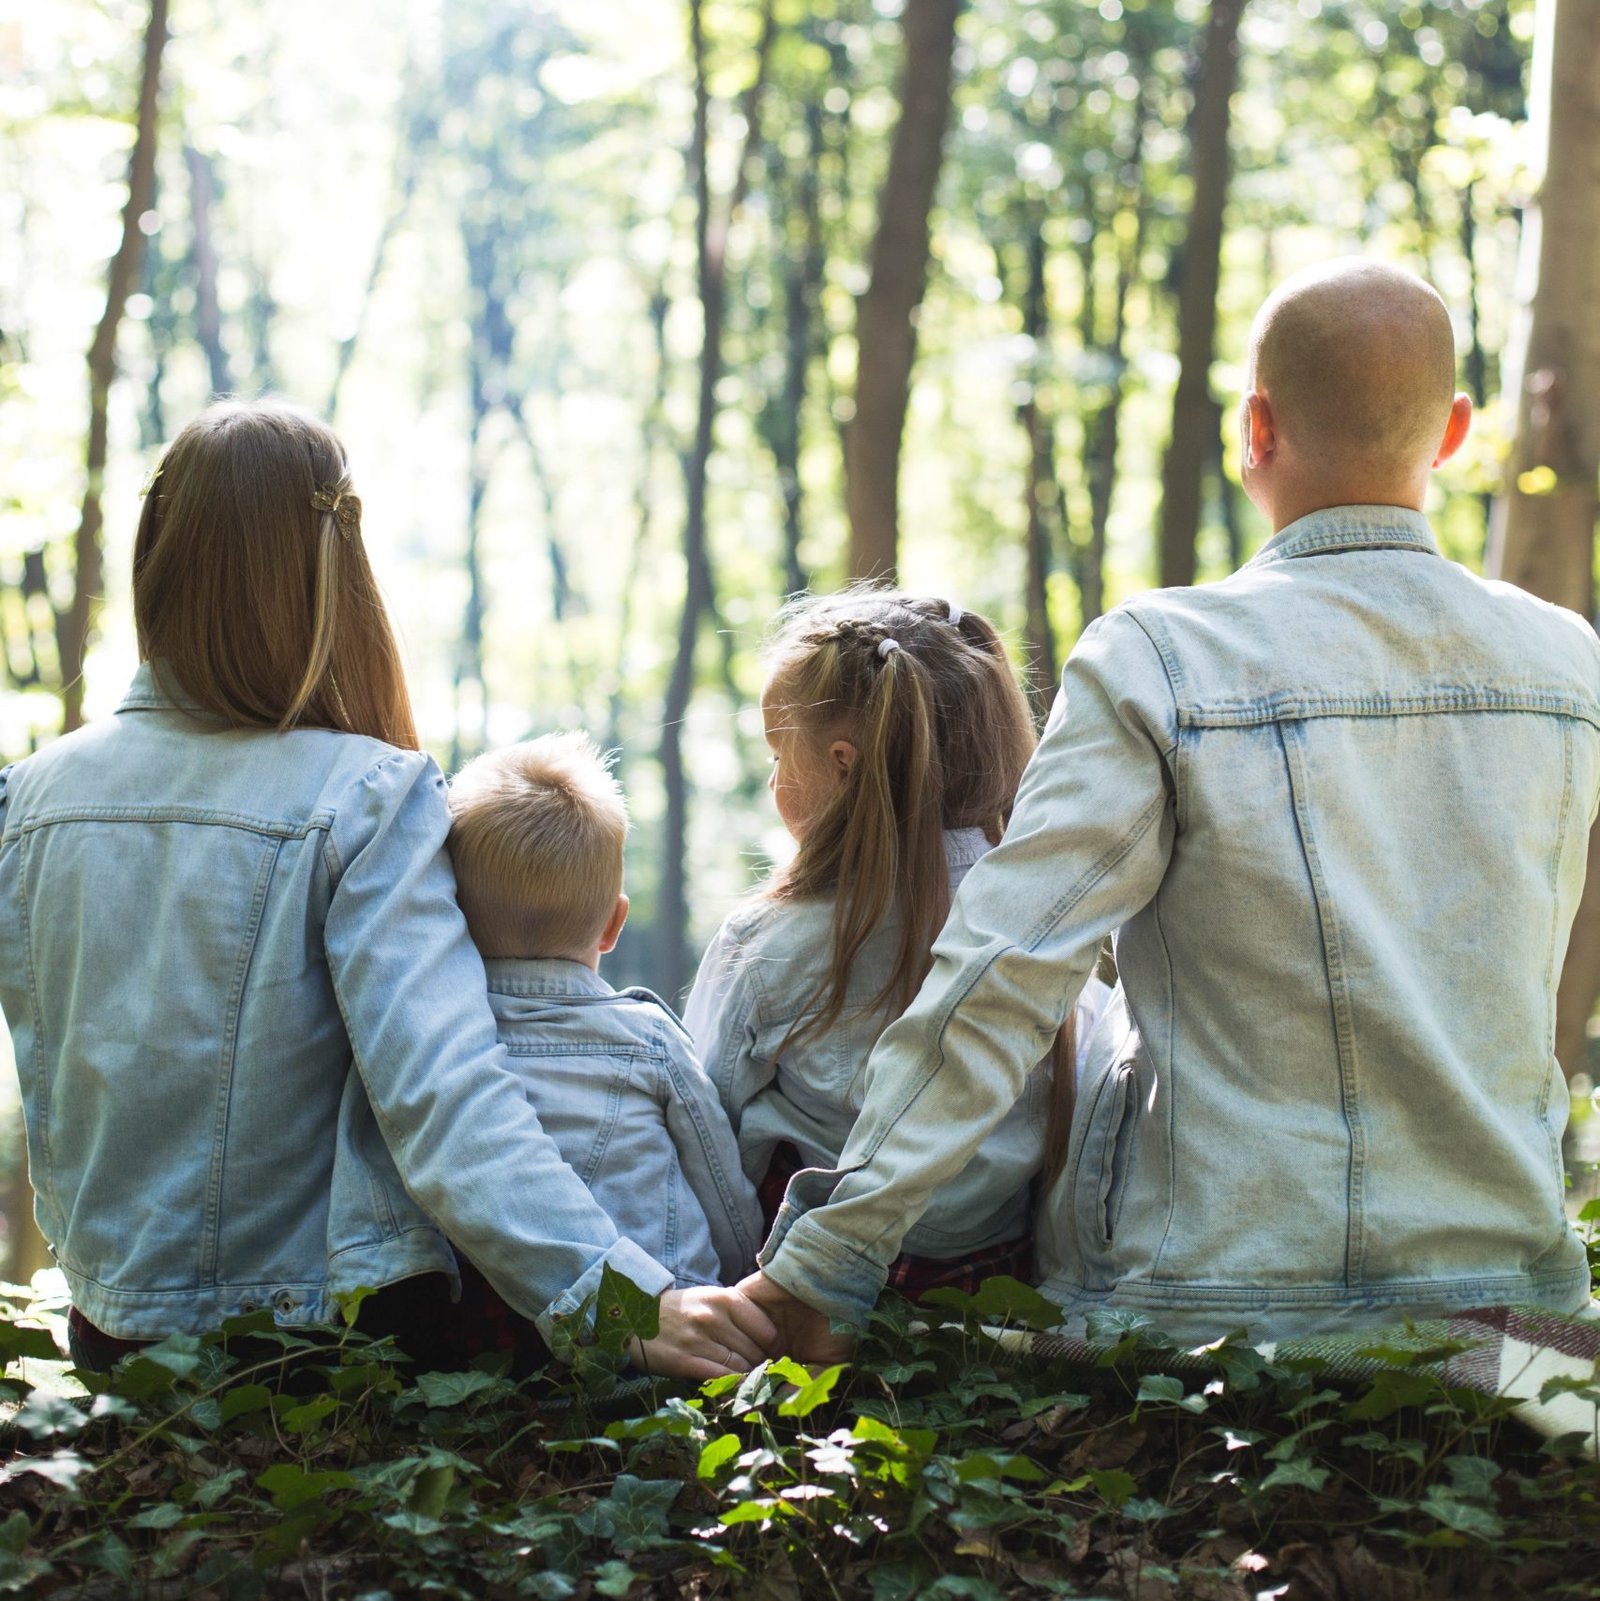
(616,1084)
(258,1063)
(757,979)
(1339,805)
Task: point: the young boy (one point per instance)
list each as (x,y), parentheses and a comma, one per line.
(536,837)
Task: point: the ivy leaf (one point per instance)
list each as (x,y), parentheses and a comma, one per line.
(1464,1516)
(21,1573)
(64,1468)
(1590,1211)
(983,1465)
(1390,1391)
(716,1454)
(1299,1473)
(290,1485)
(624,1312)
(812,1393)
(999,1300)
(636,1511)
(304,1418)
(614,1578)
(18,1342)
(244,1399)
(430,1491)
(445,1390)
(46,1416)
(1112,1485)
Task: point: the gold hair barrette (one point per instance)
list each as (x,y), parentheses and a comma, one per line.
(150,480)
(343,507)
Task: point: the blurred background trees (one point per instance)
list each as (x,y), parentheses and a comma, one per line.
(638,315)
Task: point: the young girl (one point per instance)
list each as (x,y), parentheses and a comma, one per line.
(898,736)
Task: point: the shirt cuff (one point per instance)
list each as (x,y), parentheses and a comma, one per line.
(631,1261)
(802,1257)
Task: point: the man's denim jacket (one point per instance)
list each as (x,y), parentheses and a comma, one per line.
(616,1084)
(1339,806)
(756,981)
(258,1062)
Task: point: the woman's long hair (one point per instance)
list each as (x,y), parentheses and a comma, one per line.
(251,585)
(942,733)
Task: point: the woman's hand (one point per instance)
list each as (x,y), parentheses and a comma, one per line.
(705,1333)
(802,1332)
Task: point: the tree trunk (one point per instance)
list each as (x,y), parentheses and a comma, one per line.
(1543,535)
(207,308)
(1193,412)
(75,624)
(886,328)
(699,596)
(1042,492)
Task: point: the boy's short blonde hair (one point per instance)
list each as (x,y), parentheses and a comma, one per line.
(536,835)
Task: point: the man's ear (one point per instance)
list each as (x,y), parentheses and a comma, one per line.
(1456,429)
(613,930)
(842,755)
(1258,430)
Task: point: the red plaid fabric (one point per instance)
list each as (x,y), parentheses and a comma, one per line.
(483,1322)
(910,1275)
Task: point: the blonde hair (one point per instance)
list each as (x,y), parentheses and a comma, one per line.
(536,835)
(251,585)
(926,694)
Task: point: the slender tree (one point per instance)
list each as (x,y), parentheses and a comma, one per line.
(75,621)
(1193,408)
(1543,532)
(712,225)
(886,329)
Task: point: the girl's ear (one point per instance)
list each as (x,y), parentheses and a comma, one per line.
(841,755)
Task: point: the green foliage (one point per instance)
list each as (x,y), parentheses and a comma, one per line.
(940,1462)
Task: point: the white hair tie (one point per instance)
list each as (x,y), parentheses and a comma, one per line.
(956,614)
(887,647)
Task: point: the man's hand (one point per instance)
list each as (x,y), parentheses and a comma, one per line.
(801,1331)
(705,1333)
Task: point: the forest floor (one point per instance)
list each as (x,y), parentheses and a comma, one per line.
(934,1464)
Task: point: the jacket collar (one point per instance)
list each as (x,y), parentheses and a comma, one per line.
(1349,528)
(154,689)
(543,976)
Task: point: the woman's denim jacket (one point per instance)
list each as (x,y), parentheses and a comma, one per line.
(257,1058)
(618,1087)
(1339,805)
(757,980)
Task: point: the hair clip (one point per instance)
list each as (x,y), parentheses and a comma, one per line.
(344,508)
(956,614)
(150,479)
(887,648)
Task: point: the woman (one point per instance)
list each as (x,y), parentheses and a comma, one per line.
(258,1064)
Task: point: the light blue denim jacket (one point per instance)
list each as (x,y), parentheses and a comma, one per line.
(756,981)
(1339,806)
(616,1084)
(258,1063)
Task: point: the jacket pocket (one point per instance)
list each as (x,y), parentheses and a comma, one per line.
(1107,1147)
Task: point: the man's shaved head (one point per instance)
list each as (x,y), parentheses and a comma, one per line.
(1357,362)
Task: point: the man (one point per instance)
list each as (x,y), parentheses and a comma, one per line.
(1338,807)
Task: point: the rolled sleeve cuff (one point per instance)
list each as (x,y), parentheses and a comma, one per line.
(802,1257)
(631,1261)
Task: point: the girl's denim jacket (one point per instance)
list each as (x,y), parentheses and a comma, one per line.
(758,978)
(1339,806)
(257,1058)
(618,1087)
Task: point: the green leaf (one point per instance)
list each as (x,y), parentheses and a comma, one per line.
(1160,1387)
(15,1533)
(163,1515)
(999,1300)
(1112,1485)
(44,1417)
(290,1485)
(1464,1516)
(62,1467)
(244,1399)
(215,1488)
(814,1392)
(21,1573)
(624,1312)
(304,1418)
(760,1510)
(178,1353)
(18,1341)
(983,1465)
(1390,1392)
(1145,1509)
(1472,1477)
(716,1454)
(1297,1473)
(445,1390)
(614,1578)
(1589,1212)
(639,1510)
(430,1491)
